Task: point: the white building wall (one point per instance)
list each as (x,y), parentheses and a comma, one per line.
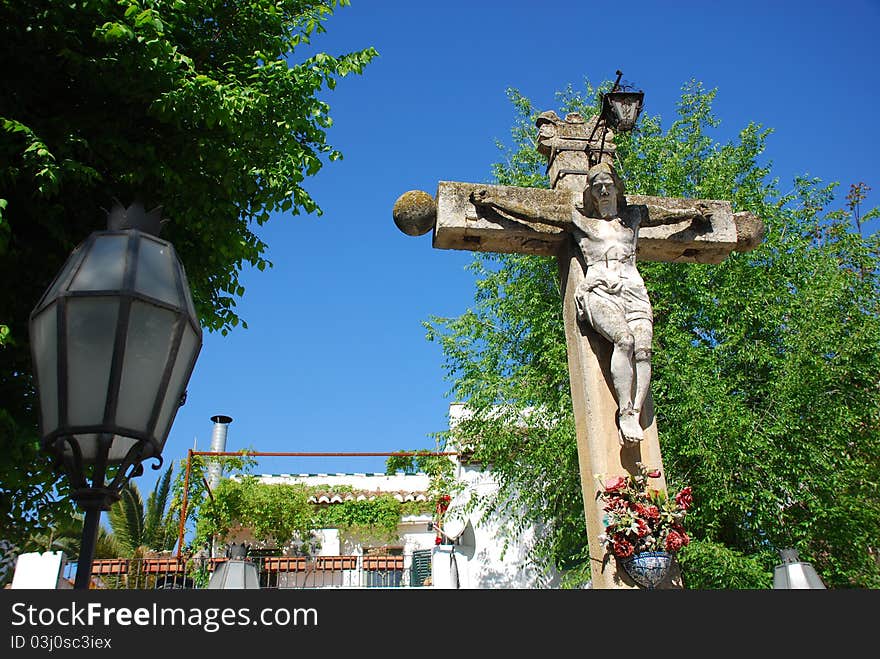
(484,555)
(37,570)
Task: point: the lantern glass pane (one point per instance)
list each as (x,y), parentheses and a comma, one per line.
(626,115)
(88,445)
(234,575)
(188,295)
(186,355)
(61,278)
(103,266)
(44,345)
(91,336)
(796,576)
(157,271)
(625,108)
(149,338)
(120,448)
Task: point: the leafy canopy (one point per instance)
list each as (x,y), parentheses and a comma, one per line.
(204,108)
(284,515)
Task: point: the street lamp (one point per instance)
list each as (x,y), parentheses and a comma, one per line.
(793,573)
(621,107)
(620,111)
(237,572)
(114,340)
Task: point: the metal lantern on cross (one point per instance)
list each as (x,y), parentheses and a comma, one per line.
(621,109)
(114,341)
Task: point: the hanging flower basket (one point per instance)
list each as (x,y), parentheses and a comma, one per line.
(648,568)
(643,526)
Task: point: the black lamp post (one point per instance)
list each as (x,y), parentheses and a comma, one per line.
(114,341)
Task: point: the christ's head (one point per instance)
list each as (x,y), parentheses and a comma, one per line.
(604,194)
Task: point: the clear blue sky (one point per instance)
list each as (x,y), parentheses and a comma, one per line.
(335,357)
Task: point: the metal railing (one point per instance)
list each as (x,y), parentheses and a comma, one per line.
(409,570)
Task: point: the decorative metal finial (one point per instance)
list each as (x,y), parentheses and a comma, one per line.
(135,217)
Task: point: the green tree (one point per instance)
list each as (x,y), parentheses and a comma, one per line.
(190,488)
(203,107)
(138,527)
(765,371)
(275,514)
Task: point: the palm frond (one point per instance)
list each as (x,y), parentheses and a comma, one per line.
(127,518)
(154,531)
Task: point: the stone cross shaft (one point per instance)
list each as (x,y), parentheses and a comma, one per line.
(547,222)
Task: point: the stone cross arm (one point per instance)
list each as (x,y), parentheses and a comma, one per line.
(668,231)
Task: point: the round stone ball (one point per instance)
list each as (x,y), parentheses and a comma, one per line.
(415,212)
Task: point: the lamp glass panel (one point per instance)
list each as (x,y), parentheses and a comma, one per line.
(148,341)
(44,344)
(157,271)
(88,446)
(189,347)
(104,265)
(796,576)
(91,336)
(188,294)
(780,577)
(234,575)
(62,276)
(120,448)
(626,112)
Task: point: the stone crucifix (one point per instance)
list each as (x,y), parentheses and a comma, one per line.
(597,233)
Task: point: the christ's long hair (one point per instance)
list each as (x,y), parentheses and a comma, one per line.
(595,170)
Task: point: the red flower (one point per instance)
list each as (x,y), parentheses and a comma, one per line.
(684,498)
(638,518)
(621,547)
(437,540)
(616,505)
(614,484)
(680,531)
(675,541)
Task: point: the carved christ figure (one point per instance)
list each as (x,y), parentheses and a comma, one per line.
(612,297)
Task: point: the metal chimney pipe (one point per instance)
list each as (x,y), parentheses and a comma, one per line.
(218,445)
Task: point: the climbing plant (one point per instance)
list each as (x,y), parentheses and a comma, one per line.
(279,515)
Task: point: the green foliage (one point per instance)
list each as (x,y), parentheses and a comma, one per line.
(202,107)
(765,366)
(137,527)
(32,497)
(711,566)
(65,534)
(439,468)
(190,486)
(281,515)
(276,514)
(372,521)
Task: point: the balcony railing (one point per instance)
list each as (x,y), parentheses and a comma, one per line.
(409,570)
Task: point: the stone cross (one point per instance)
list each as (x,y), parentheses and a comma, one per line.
(564,222)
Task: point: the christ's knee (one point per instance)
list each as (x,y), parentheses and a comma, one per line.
(642,354)
(625,342)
